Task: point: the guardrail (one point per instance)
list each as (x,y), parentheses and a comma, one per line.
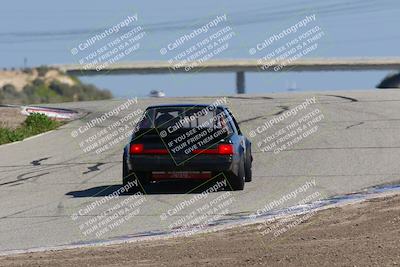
(239,66)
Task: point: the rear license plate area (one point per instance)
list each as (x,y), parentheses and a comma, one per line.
(181,175)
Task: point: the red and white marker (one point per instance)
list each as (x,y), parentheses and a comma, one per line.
(56,113)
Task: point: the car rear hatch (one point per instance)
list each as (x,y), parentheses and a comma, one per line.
(181,151)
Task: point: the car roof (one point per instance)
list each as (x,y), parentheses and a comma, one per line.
(183,105)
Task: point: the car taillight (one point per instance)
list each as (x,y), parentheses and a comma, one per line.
(225,149)
(136,149)
(222,149)
(139,149)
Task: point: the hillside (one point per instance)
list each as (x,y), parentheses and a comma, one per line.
(45,85)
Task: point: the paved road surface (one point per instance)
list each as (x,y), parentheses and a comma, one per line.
(47,179)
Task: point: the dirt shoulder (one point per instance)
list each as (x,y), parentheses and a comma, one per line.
(363,234)
(11,117)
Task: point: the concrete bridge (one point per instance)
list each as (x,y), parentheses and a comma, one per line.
(238,66)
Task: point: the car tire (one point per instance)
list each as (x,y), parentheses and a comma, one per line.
(236,182)
(248,164)
(128,176)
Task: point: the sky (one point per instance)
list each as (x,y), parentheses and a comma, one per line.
(44,32)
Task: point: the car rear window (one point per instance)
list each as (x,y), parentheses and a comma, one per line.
(183,118)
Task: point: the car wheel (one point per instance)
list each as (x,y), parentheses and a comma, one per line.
(128,176)
(236,182)
(248,171)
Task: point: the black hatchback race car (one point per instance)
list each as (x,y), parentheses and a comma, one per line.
(197,142)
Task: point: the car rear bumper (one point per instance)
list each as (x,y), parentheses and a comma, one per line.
(213,163)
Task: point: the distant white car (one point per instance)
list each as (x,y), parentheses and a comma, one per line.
(156,93)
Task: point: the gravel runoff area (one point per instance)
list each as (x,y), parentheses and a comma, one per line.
(11,117)
(361,234)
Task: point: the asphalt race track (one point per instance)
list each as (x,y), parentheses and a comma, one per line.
(46,180)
